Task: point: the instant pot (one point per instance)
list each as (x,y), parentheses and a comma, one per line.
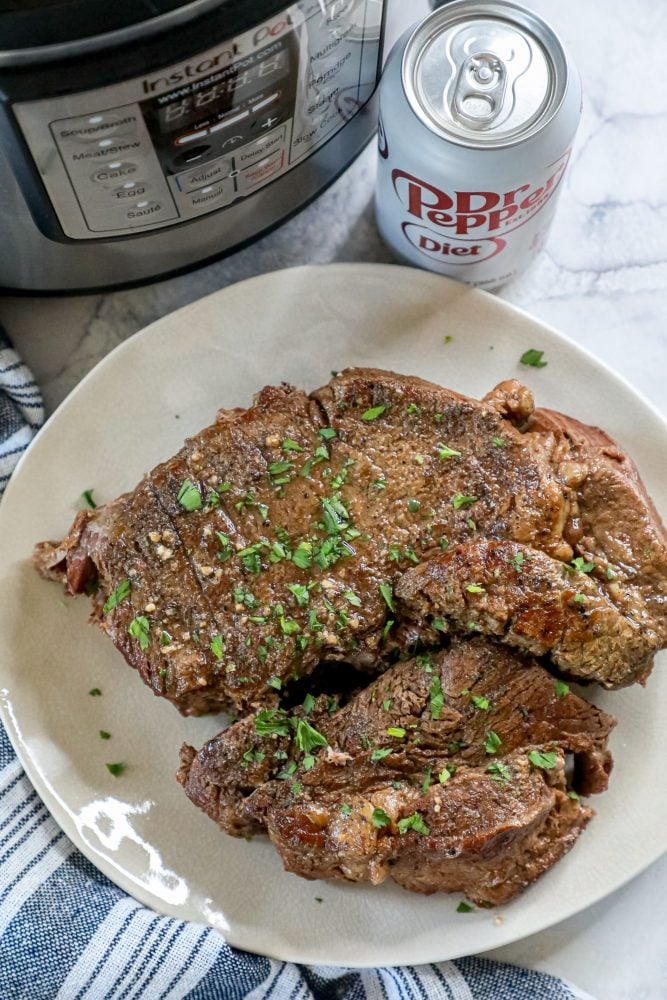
(141,137)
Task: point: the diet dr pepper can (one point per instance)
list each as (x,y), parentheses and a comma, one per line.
(478,108)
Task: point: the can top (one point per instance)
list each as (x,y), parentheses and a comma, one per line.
(484,74)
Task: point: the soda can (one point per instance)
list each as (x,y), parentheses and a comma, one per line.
(479,105)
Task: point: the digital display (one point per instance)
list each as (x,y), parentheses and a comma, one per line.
(232,89)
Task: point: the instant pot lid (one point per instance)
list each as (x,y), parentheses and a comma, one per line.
(31,24)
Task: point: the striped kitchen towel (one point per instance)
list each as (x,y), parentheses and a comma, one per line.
(21,409)
(67,932)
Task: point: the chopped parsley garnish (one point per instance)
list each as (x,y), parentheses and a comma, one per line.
(254,756)
(288,771)
(104,735)
(121,592)
(573,795)
(301,593)
(412,408)
(444,775)
(413,506)
(388,595)
(439,624)
(379,484)
(483,704)
(499,442)
(610,573)
(414,822)
(462,500)
(307,738)
(275,682)
(373,413)
(471,524)
(165,638)
(88,497)
(499,771)
(380,754)
(217,647)
(226,547)
(290,445)
(474,588)
(448,338)
(336,517)
(443,542)
(533,358)
(140,629)
(580,598)
(308,762)
(189,496)
(493,742)
(561,689)
(116,769)
(303,555)
(388,625)
(280,472)
(326,433)
(308,703)
(346,809)
(289,626)
(424,661)
(518,561)
(397,732)
(386,704)
(444,451)
(272,721)
(380,818)
(426,783)
(437,698)
(464,908)
(296,788)
(352,598)
(545,759)
(95,693)
(584,567)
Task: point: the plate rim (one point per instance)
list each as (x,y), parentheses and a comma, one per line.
(63,817)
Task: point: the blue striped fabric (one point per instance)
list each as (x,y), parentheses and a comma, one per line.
(67,932)
(21,409)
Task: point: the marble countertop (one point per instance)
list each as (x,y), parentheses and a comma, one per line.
(602,280)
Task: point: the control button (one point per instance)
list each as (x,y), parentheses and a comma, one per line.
(262,171)
(143,212)
(265,122)
(191,155)
(261,148)
(266,102)
(233,141)
(113,173)
(230,120)
(213,195)
(214,170)
(92,128)
(131,189)
(183,140)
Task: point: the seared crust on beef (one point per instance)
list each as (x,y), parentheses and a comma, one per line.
(412,468)
(527,599)
(490,832)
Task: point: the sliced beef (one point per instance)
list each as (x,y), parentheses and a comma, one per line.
(275,538)
(444,739)
(527,599)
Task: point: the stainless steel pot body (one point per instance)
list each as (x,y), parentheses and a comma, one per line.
(132,155)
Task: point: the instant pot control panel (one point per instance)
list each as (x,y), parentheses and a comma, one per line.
(197,136)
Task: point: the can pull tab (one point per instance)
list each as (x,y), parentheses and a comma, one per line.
(480,90)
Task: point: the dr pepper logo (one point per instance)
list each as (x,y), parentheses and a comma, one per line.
(468,226)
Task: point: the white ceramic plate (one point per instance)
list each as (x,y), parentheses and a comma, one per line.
(133,411)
